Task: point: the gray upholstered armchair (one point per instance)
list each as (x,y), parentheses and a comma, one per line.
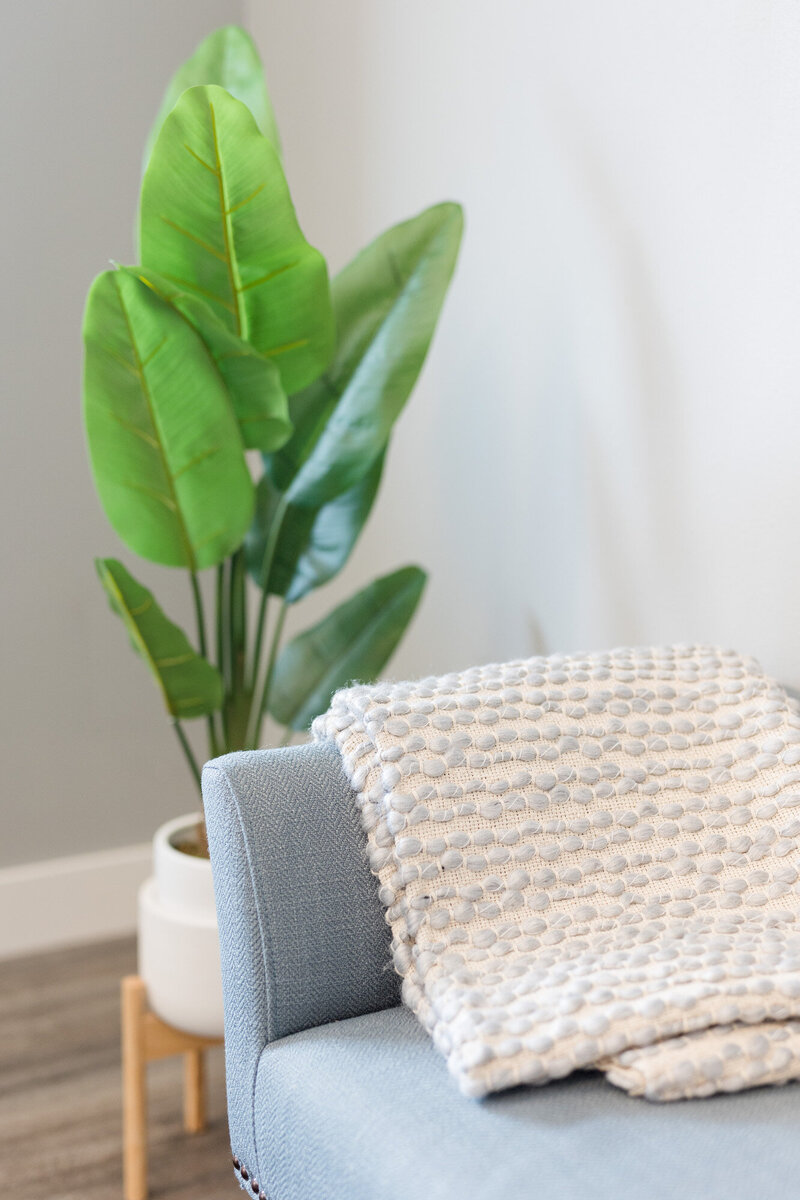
(335,1092)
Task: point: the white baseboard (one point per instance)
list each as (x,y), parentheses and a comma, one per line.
(65,901)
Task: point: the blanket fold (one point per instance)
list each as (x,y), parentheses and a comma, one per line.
(590,862)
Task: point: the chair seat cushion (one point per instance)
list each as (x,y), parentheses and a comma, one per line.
(364,1109)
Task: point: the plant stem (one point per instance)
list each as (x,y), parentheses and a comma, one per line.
(259,708)
(187,750)
(266,567)
(198,609)
(239,705)
(237,620)
(223,662)
(213,744)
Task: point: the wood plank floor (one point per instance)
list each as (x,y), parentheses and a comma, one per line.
(60,1123)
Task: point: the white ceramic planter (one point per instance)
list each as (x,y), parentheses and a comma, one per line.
(178,941)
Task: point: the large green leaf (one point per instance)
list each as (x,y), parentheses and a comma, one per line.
(313,544)
(217,220)
(386,304)
(191,687)
(227,57)
(166,450)
(354,642)
(253,381)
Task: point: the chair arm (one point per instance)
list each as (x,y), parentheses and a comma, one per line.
(303,938)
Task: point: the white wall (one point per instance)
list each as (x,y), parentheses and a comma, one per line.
(603,448)
(88,759)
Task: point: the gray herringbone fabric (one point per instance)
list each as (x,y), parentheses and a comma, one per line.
(302,932)
(365,1110)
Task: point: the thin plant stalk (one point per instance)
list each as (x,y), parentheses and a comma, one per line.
(223,663)
(220,623)
(188,752)
(237,620)
(237,696)
(266,567)
(199,614)
(259,707)
(213,744)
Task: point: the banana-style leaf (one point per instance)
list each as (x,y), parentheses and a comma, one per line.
(166,450)
(217,220)
(333,534)
(354,642)
(253,381)
(313,544)
(386,305)
(228,58)
(190,686)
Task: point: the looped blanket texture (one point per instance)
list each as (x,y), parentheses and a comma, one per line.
(590,862)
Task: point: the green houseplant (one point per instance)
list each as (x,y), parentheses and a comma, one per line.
(226,340)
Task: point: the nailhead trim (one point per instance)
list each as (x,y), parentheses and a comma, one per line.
(244,1174)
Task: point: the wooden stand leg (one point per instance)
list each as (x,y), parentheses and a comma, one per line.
(194,1091)
(134,1096)
(146,1038)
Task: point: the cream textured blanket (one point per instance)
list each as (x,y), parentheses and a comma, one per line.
(590,862)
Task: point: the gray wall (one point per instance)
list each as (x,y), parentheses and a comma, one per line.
(602,448)
(88,759)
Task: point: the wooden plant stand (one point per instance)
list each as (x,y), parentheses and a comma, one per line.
(145,1037)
